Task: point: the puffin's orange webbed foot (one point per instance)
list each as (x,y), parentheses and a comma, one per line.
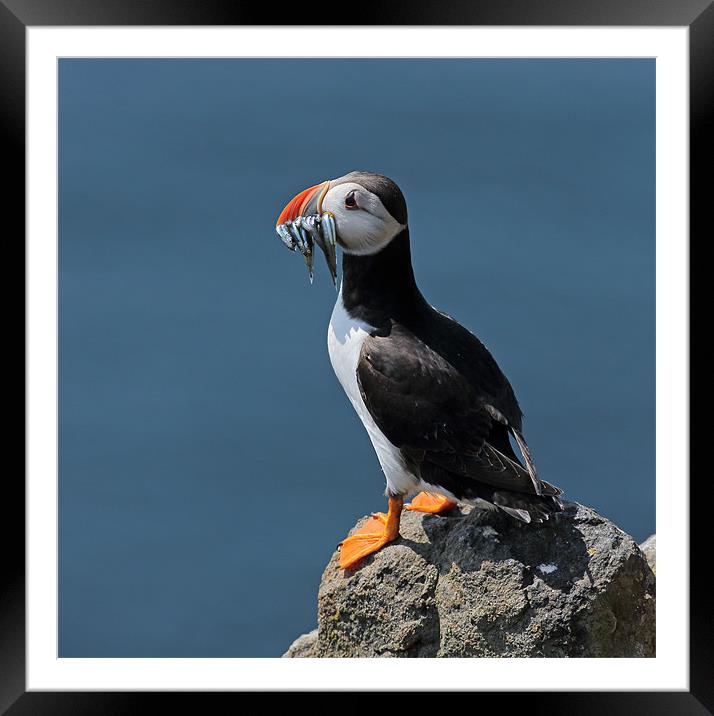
(371,537)
(431,503)
(380,529)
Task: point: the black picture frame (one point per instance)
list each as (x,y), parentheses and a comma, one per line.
(697,15)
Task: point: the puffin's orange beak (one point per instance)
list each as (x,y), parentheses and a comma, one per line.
(305,203)
(302,224)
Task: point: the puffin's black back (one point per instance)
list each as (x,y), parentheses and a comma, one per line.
(381,290)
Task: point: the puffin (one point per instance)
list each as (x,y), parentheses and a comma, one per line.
(442,417)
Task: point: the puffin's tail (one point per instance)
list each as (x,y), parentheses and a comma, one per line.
(528,508)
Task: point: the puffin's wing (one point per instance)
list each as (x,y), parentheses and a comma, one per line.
(429,410)
(504,445)
(417,398)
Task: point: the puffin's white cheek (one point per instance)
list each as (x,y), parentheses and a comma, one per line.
(358,229)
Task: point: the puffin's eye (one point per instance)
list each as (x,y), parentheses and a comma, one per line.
(351,201)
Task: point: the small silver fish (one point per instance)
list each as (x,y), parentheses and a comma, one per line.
(329,233)
(306,231)
(286,236)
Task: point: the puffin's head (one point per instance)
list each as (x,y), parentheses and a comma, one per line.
(361,211)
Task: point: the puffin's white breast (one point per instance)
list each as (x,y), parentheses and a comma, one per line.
(345,337)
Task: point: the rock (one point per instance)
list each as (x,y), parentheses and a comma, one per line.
(303,646)
(649,549)
(477,582)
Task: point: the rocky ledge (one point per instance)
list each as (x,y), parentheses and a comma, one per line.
(475,582)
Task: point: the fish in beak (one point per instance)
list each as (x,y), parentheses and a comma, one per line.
(302,224)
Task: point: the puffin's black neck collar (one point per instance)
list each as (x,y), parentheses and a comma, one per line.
(380,287)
